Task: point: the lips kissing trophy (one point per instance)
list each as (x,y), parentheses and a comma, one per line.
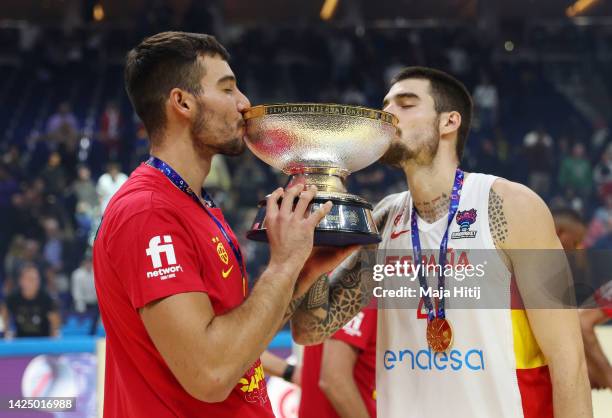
(321,144)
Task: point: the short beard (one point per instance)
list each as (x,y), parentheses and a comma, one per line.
(235,146)
(399,153)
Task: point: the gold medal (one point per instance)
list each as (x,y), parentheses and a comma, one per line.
(439,335)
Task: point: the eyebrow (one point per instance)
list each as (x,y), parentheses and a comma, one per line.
(226,78)
(401,96)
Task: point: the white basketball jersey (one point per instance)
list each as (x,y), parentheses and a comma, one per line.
(494,367)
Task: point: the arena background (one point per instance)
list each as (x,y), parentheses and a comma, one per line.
(539,71)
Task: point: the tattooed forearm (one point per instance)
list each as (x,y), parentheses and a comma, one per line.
(293,305)
(497,219)
(333,302)
(318,295)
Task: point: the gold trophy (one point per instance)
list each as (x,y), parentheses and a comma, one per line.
(321,144)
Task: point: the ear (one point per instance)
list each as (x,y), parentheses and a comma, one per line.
(182,103)
(449,123)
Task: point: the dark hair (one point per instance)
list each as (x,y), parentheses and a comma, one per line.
(27,266)
(449,94)
(567,214)
(162,62)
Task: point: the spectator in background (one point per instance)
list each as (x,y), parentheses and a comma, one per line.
(62,121)
(538,152)
(602,173)
(31,308)
(458,59)
(486,102)
(53,247)
(109,183)
(111,126)
(84,291)
(54,175)
(601,222)
(22,252)
(576,173)
(87,205)
(84,189)
(12,161)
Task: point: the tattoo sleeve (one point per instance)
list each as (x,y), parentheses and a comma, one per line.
(497,218)
(333,300)
(293,305)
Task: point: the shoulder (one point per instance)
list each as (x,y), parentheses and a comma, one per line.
(390,202)
(519,218)
(387,206)
(132,213)
(517,199)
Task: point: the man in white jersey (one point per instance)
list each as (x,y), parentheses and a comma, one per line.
(511,361)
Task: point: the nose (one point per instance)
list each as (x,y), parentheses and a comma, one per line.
(389,108)
(243,102)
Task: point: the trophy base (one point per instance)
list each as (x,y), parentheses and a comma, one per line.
(349,222)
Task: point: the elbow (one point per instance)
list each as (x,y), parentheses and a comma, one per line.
(303,337)
(210,387)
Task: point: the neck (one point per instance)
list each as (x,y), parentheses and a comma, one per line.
(430,187)
(183,158)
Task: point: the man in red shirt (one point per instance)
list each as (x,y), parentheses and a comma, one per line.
(184,334)
(571,230)
(339,376)
(600,370)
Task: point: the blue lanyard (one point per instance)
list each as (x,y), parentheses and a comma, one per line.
(416,247)
(182,185)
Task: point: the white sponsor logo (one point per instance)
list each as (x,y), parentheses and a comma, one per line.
(155,250)
(353,327)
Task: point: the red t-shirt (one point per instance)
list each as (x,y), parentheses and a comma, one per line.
(360,333)
(154,242)
(603,296)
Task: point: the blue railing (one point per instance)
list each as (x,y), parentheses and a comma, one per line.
(85,344)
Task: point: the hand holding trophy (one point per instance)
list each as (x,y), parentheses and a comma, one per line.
(321,144)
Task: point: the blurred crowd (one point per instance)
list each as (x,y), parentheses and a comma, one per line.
(72,139)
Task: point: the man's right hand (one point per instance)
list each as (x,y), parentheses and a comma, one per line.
(291,231)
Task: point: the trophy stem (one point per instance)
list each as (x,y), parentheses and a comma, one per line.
(327,179)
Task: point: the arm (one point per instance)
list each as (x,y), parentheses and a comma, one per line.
(337,381)
(600,371)
(77,292)
(6,320)
(333,300)
(209,353)
(275,366)
(520,220)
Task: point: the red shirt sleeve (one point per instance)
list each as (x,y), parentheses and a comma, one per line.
(359,331)
(155,257)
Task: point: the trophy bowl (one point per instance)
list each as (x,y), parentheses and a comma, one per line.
(321,144)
